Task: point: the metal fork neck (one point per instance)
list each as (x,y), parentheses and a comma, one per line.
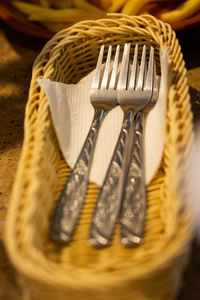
(98,116)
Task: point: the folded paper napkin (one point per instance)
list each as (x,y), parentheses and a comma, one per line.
(72,114)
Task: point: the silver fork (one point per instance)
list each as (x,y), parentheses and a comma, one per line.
(134,93)
(133,209)
(103,97)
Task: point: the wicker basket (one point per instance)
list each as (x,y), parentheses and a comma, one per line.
(77,271)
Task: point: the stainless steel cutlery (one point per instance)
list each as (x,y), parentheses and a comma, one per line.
(103,97)
(123,193)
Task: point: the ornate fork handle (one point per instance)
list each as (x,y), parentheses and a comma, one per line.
(73,195)
(109,198)
(134,199)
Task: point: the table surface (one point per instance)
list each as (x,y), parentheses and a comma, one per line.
(17,54)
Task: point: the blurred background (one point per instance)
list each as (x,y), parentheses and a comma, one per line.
(25,27)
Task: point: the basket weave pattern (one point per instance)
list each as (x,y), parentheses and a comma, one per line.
(78,271)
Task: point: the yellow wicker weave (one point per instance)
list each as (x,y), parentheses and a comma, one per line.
(77,271)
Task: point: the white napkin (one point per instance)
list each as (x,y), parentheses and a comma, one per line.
(72,114)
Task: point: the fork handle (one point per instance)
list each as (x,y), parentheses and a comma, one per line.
(73,195)
(109,198)
(133,210)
